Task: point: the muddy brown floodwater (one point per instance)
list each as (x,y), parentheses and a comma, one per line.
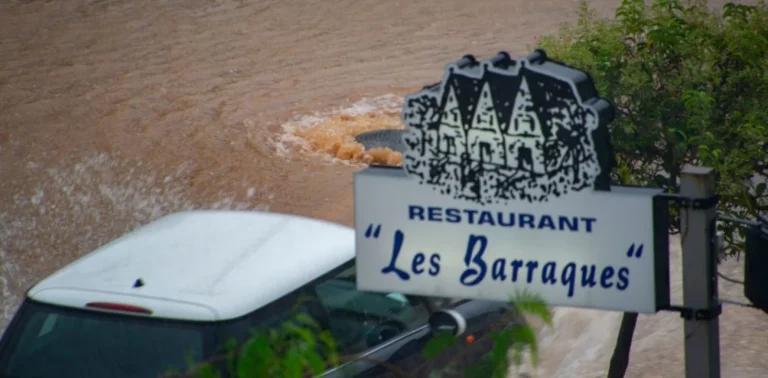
(113,113)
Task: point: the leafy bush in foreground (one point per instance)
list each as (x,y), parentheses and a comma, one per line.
(299,348)
(690,85)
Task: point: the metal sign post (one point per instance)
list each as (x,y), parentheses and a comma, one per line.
(697,223)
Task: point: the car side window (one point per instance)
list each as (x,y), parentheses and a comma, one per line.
(361,320)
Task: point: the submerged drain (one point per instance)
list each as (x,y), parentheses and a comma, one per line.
(392,139)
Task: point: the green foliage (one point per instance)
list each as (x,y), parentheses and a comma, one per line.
(296,348)
(690,86)
(510,343)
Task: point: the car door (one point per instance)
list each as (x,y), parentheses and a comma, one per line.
(370,327)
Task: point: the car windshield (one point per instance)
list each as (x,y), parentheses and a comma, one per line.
(54,342)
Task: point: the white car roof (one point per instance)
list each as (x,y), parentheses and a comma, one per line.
(203,265)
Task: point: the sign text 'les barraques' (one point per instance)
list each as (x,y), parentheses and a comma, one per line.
(478,268)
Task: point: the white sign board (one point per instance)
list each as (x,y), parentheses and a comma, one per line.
(497,193)
(595,249)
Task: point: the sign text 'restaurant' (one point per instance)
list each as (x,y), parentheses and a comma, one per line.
(500,218)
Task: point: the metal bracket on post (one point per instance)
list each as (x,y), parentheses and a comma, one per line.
(697,314)
(692,203)
(700,204)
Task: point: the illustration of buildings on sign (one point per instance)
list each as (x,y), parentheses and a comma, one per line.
(501,136)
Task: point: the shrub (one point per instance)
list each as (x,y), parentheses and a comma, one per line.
(300,348)
(690,86)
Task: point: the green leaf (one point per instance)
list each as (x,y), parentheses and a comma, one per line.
(305,334)
(437,344)
(329,347)
(315,361)
(680,134)
(230,346)
(208,371)
(532,304)
(760,189)
(292,366)
(304,319)
(503,341)
(255,355)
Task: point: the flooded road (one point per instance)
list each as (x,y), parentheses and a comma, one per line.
(113,113)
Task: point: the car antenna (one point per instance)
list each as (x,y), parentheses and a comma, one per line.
(139,283)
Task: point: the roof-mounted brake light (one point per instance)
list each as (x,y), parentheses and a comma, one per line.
(119,307)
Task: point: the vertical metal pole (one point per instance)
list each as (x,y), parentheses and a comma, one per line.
(702,337)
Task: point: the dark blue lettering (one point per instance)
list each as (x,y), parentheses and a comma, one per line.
(546,222)
(606,276)
(486,218)
(452,215)
(526,219)
(571,223)
(500,219)
(498,270)
(415,212)
(623,279)
(434,264)
(396,247)
(588,276)
(568,278)
(479,273)
(549,273)
(434,214)
(531,265)
(516,265)
(418,259)
(589,222)
(470,215)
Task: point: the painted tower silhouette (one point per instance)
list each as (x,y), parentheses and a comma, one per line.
(485,139)
(451,140)
(524,136)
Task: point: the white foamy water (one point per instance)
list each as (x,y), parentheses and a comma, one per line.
(329,135)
